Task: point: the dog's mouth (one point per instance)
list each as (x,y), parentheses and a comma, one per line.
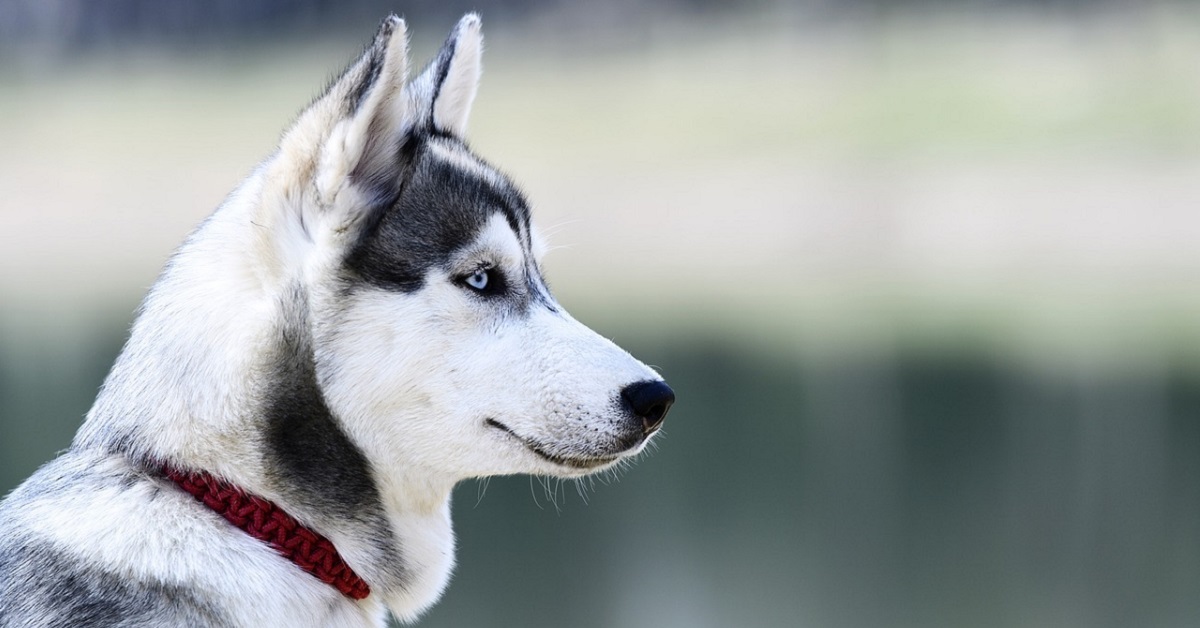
(575,462)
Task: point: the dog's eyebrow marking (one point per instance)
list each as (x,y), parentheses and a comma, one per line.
(459,158)
(497,235)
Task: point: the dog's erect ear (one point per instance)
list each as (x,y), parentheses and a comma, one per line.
(446,89)
(367,103)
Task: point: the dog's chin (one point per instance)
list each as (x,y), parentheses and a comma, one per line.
(567,464)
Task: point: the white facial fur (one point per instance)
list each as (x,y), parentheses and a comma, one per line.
(416,377)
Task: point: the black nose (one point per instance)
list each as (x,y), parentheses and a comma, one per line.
(650,402)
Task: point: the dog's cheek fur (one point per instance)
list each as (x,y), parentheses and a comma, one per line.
(417,373)
(379,363)
(416,376)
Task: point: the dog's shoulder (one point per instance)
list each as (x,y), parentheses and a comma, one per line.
(42,585)
(50,536)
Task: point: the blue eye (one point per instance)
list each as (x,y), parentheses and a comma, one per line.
(479,279)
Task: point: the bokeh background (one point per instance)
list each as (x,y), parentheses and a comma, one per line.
(925,276)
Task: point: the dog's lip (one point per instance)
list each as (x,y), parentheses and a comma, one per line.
(586,462)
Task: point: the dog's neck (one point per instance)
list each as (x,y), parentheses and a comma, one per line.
(269,523)
(216,377)
(403,547)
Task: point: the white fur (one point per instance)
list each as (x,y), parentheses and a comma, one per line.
(416,380)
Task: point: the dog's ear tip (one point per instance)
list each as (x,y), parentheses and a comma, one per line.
(390,27)
(391,22)
(470,21)
(469,28)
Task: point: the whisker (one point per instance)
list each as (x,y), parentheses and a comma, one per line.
(481,488)
(533,493)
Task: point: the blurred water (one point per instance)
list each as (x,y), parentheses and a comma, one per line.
(902,489)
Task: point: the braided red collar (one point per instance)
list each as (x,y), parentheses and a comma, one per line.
(268,523)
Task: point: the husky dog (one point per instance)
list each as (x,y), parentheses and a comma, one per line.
(362,324)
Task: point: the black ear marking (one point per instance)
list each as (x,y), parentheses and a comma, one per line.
(441,70)
(373,55)
(449,83)
(374,65)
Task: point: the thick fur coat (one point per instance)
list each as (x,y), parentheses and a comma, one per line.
(361,325)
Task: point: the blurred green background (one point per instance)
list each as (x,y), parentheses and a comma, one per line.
(924,275)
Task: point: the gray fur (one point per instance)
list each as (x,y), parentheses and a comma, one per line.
(34,571)
(324,341)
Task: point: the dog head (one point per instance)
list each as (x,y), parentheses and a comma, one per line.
(435,340)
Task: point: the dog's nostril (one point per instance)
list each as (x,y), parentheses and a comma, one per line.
(649,401)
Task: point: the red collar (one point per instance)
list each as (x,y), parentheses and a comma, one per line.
(268,523)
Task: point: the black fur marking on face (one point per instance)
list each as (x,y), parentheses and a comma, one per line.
(315,458)
(440,210)
(537,287)
(42,586)
(311,460)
